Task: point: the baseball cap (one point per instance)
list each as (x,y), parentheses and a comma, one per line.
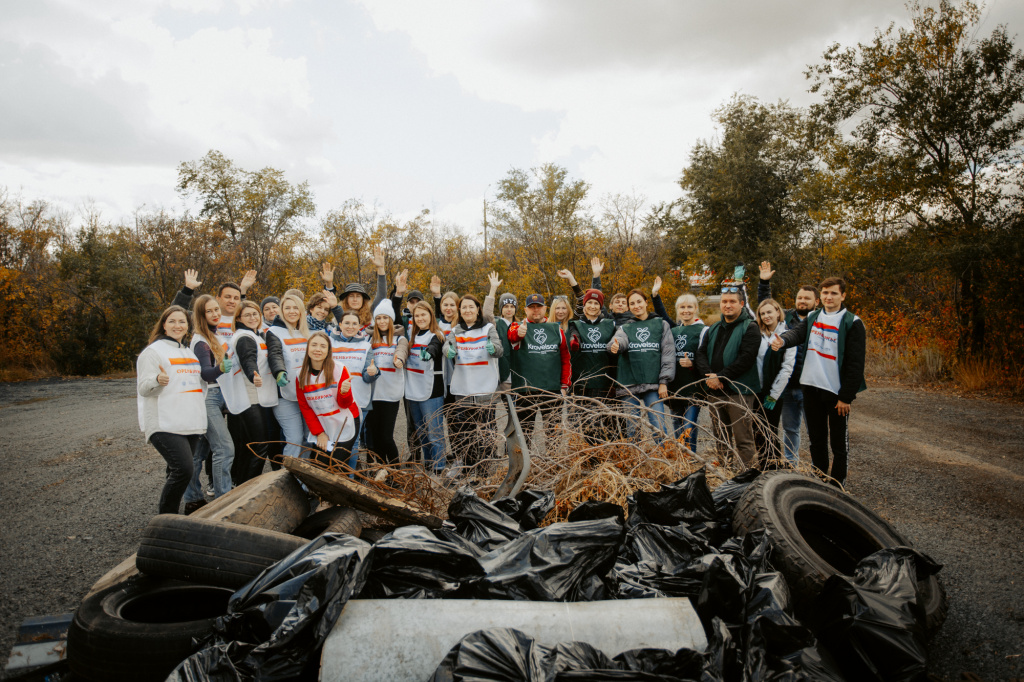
(534,299)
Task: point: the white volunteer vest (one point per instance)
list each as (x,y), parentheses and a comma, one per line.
(476,372)
(181,404)
(323,400)
(224,331)
(293,347)
(235,395)
(390,385)
(352,354)
(419,374)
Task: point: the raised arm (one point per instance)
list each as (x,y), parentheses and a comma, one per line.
(576,291)
(659,306)
(488,310)
(764,282)
(382,278)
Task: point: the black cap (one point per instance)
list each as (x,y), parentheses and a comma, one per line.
(415,293)
(357,288)
(534,299)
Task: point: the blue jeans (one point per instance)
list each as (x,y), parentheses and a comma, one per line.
(293,429)
(792,412)
(659,419)
(427,420)
(217,440)
(687,419)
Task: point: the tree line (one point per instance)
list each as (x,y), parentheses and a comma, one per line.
(905,176)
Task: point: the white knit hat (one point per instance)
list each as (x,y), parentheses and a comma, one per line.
(384,308)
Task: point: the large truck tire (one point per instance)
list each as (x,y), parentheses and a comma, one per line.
(210,552)
(141,629)
(274,501)
(817,531)
(330,520)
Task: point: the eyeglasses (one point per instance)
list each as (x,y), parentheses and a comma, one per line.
(730,290)
(250,316)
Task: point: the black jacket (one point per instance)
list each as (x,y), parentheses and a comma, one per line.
(792,317)
(709,361)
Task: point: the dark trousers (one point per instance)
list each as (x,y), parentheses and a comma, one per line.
(766,431)
(412,436)
(547,406)
(602,428)
(177,452)
(380,422)
(247,428)
(273,430)
(468,419)
(825,427)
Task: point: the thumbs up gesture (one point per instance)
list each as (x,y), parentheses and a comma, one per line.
(257,380)
(615,346)
(372,369)
(162,377)
(522,330)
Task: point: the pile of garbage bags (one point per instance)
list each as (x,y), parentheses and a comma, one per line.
(677,542)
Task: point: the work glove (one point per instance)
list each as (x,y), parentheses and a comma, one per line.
(452,352)
(574,344)
(225,364)
(769,403)
(425,355)
(282,378)
(490,347)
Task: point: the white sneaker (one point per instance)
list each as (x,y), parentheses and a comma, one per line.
(209,491)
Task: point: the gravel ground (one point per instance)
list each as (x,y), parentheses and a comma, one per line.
(78,484)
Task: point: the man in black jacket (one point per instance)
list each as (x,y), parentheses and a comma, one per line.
(835,343)
(807,299)
(727,356)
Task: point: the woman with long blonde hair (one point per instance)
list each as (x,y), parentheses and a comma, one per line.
(286,338)
(560,312)
(774,367)
(213,363)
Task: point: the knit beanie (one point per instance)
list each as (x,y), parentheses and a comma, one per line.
(269,299)
(384,308)
(506,299)
(593,294)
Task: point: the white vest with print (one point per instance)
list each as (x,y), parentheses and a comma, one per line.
(323,400)
(419,374)
(390,385)
(352,354)
(293,347)
(235,395)
(476,372)
(181,404)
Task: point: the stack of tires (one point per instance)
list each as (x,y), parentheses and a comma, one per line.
(139,621)
(817,531)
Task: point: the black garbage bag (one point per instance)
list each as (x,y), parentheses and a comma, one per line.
(722,658)
(215,663)
(560,562)
(729,493)
(778,647)
(508,655)
(663,546)
(529,507)
(286,612)
(480,521)
(685,501)
(414,562)
(873,623)
(592,509)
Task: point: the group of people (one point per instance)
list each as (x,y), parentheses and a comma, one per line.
(284,372)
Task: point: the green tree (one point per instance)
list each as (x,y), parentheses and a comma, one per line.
(255,209)
(937,145)
(748,195)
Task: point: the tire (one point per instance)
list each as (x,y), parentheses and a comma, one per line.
(375,535)
(274,501)
(817,531)
(330,520)
(141,629)
(210,552)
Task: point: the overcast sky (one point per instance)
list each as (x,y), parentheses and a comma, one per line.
(407,104)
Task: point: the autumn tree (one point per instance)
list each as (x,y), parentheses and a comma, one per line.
(255,209)
(936,145)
